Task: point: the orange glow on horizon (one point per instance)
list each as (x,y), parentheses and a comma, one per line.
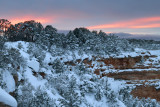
(109,32)
(147,26)
(42,20)
(130,24)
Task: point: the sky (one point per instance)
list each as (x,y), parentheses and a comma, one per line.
(127,16)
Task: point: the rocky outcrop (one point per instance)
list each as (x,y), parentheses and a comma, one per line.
(118,63)
(144,91)
(135,75)
(122,63)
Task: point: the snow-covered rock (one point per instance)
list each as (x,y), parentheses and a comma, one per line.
(7,99)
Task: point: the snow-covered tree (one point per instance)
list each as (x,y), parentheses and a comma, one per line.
(71,97)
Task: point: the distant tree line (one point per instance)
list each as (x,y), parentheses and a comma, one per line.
(145,44)
(80,38)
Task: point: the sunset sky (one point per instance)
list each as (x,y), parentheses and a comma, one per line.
(128,16)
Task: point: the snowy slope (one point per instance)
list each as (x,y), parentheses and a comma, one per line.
(40,78)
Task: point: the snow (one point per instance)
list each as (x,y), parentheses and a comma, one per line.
(15,45)
(121,104)
(34,64)
(19,76)
(9,80)
(48,58)
(24,54)
(33,80)
(116,84)
(137,52)
(155,52)
(53,96)
(7,99)
(92,101)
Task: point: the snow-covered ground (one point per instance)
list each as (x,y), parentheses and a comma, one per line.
(33,65)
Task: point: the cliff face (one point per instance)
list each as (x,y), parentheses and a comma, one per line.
(122,63)
(146,91)
(135,75)
(117,63)
(138,70)
(145,70)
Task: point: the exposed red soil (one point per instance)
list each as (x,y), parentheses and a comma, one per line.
(97,71)
(141,82)
(136,75)
(145,92)
(39,73)
(142,91)
(118,63)
(70,63)
(133,77)
(3,105)
(122,63)
(13,94)
(15,78)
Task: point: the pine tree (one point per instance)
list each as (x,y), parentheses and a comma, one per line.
(99,93)
(58,66)
(41,99)
(71,97)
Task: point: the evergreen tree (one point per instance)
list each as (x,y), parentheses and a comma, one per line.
(99,93)
(58,66)
(71,97)
(4,25)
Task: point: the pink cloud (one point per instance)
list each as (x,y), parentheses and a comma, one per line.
(136,23)
(41,19)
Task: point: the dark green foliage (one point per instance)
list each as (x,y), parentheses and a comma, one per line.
(2,83)
(27,99)
(36,51)
(81,34)
(25,96)
(72,100)
(80,39)
(81,69)
(11,58)
(57,65)
(3,39)
(59,83)
(41,99)
(49,36)
(24,31)
(71,97)
(4,25)
(71,41)
(99,93)
(50,30)
(145,44)
(87,87)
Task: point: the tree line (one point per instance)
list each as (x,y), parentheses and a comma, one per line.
(77,39)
